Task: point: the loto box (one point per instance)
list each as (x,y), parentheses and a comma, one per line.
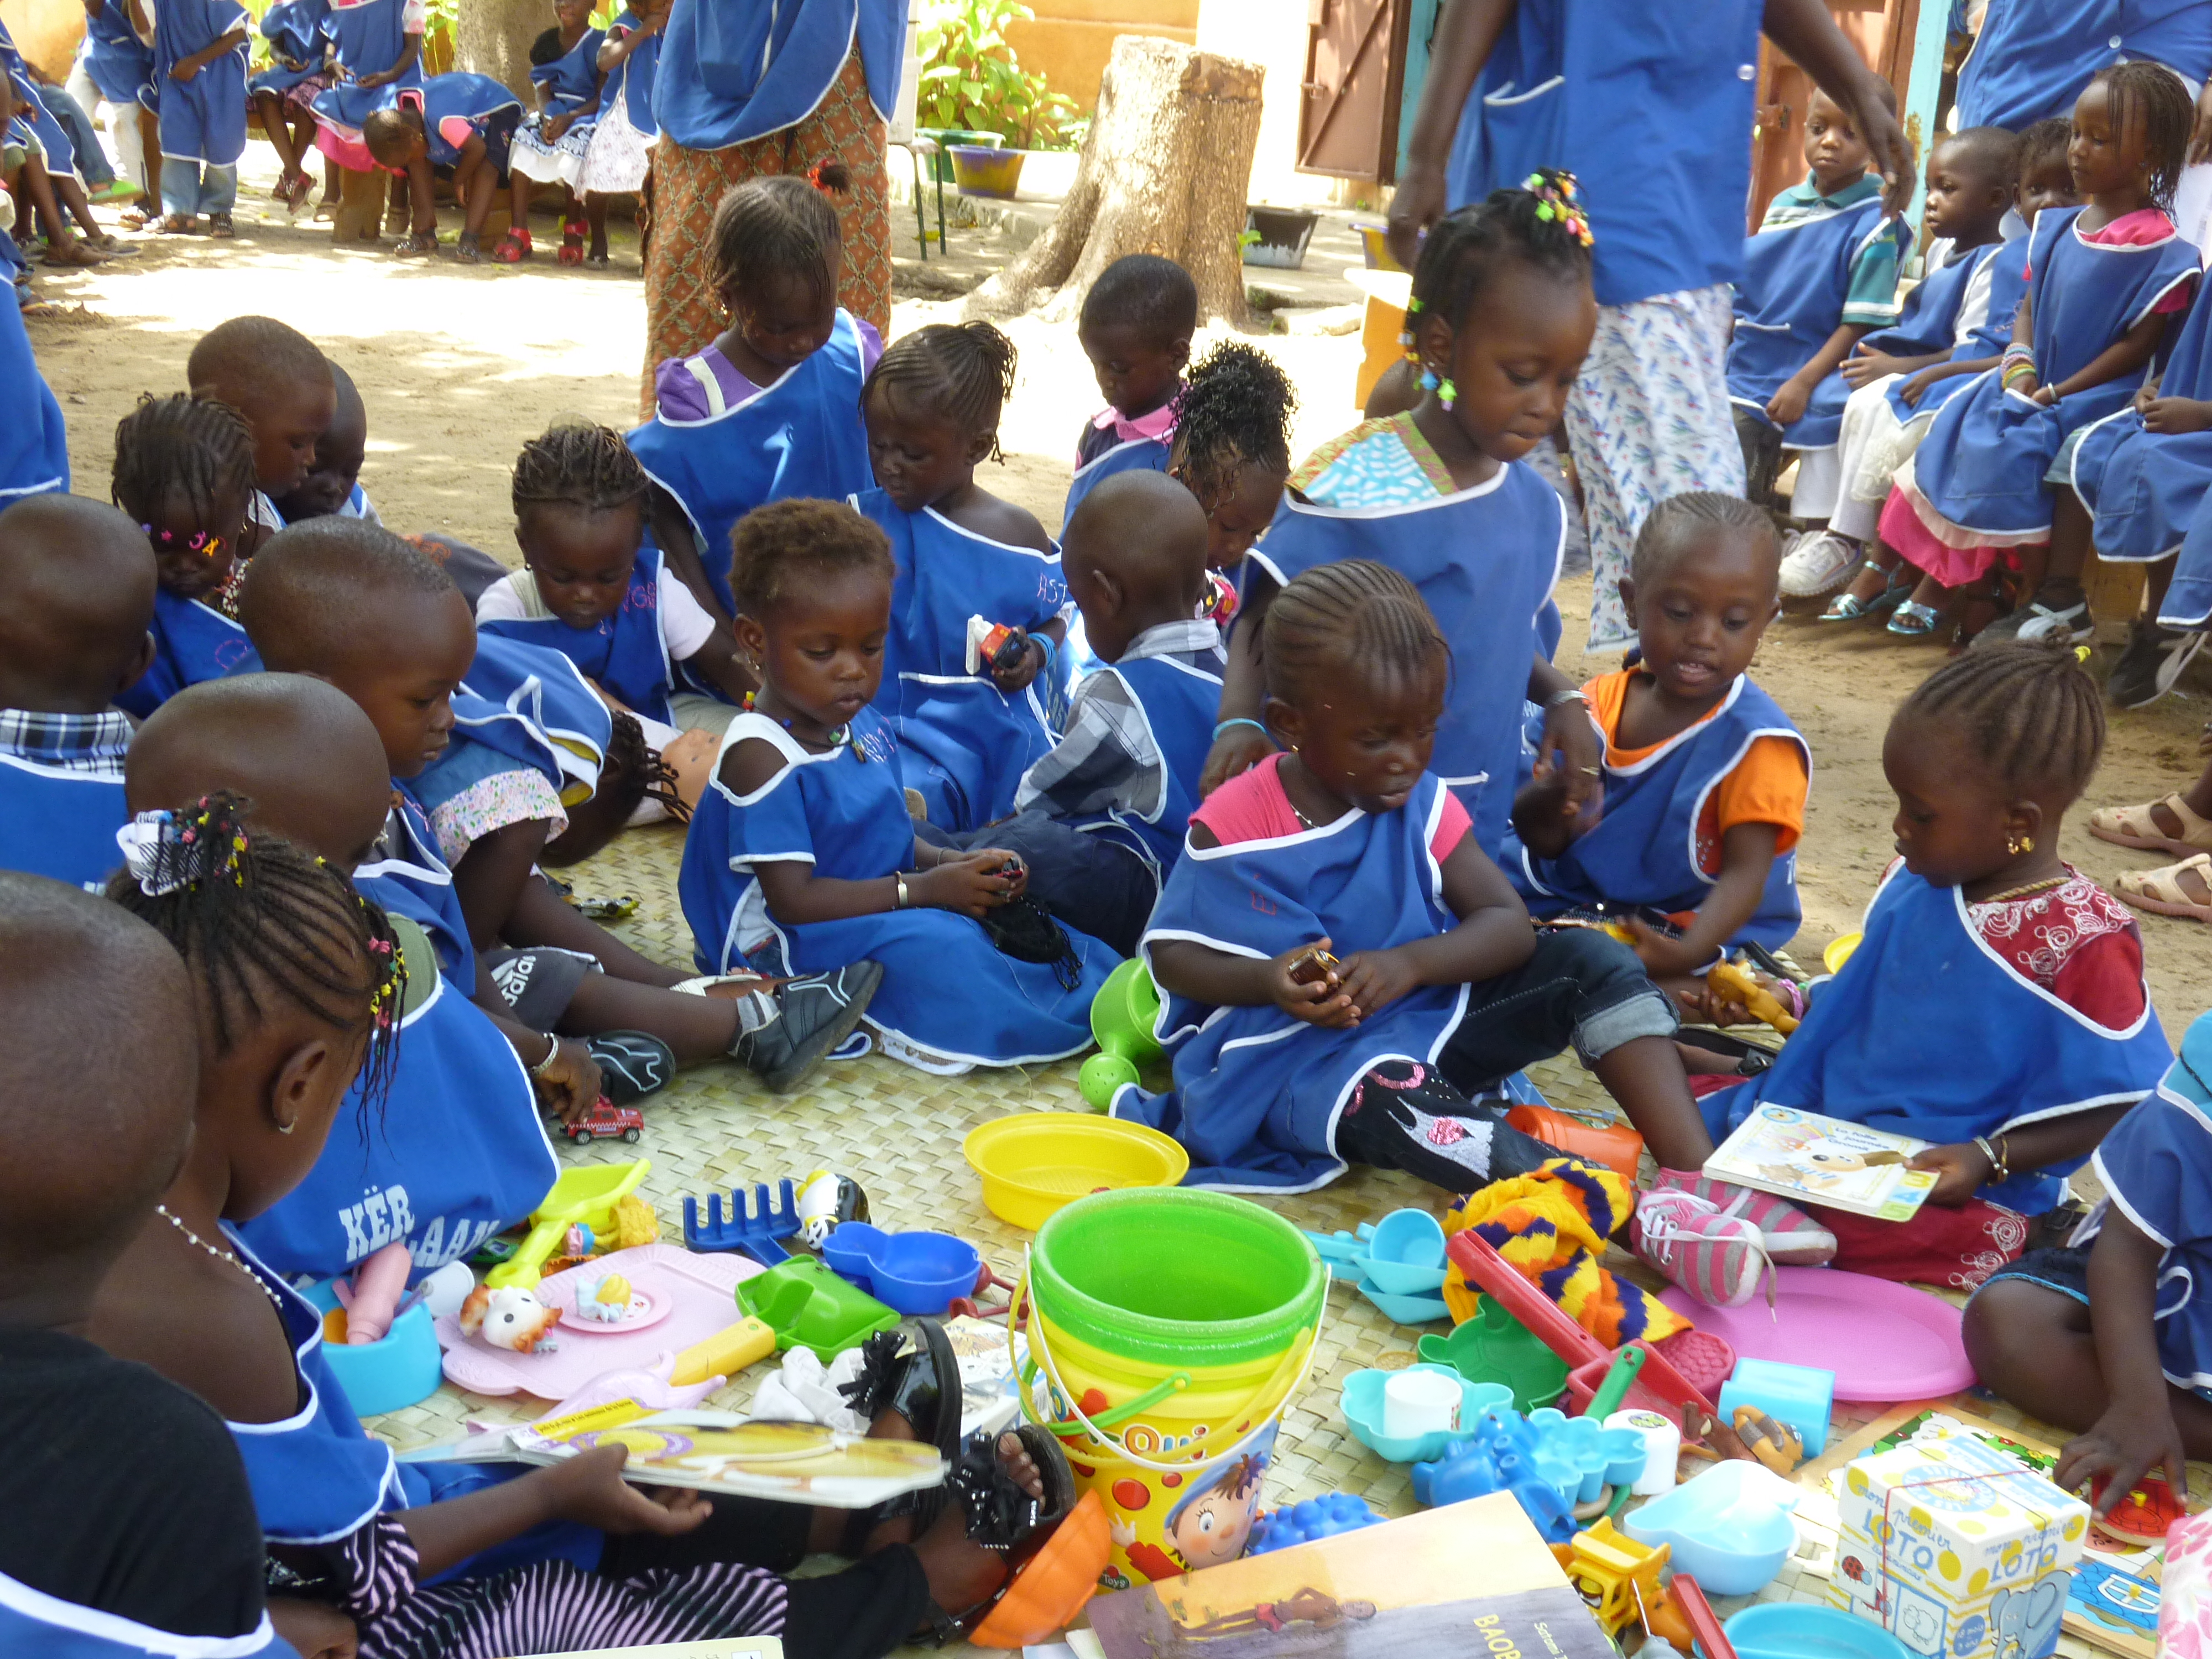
(1956,1550)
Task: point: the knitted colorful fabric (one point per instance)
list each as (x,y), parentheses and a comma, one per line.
(1551,1227)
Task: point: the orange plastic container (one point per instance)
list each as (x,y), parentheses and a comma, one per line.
(1054,1585)
(1617,1146)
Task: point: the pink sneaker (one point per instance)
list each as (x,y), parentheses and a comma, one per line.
(1718,1259)
(1791,1238)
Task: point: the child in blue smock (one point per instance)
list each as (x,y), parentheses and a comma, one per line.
(1440,495)
(1136,326)
(591,592)
(376,52)
(2105,282)
(620,159)
(111,1551)
(199,71)
(2135,1387)
(1995,1006)
(1100,820)
(279,380)
(1231,450)
(1884,427)
(550,144)
(447,1560)
(1705,777)
(333,484)
(284,93)
(184,470)
(453,126)
(118,61)
(802,852)
(1436,988)
(1820,275)
(771,409)
(968,727)
(72,640)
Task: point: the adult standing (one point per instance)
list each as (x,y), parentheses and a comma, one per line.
(1650,107)
(747,90)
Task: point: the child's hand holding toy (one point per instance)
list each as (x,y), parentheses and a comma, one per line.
(1304,983)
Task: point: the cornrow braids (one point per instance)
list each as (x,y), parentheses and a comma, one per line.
(2155,94)
(198,449)
(256,916)
(962,371)
(1682,521)
(790,545)
(2044,142)
(1355,614)
(766,229)
(1234,409)
(1542,225)
(578,463)
(2028,711)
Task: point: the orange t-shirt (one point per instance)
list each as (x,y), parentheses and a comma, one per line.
(1768,785)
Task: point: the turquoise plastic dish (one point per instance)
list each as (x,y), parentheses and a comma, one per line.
(1406,1310)
(1729,1527)
(1362,1404)
(401,1369)
(1794,1630)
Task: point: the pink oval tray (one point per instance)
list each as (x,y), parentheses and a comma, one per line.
(1884,1342)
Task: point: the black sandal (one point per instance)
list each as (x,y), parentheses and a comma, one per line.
(1001,1516)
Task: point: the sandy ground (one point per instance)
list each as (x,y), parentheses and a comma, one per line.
(458,366)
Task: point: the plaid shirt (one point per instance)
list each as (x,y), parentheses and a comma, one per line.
(1108,758)
(67,743)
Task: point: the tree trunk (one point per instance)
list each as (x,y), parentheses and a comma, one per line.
(493,37)
(1163,171)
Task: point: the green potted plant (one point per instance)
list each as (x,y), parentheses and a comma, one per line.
(975,96)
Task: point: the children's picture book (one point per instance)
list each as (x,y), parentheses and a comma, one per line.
(1470,1578)
(718,1452)
(1823,1160)
(727,1647)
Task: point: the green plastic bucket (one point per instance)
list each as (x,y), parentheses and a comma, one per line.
(1171,1326)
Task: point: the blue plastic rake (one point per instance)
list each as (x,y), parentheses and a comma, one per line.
(756,1234)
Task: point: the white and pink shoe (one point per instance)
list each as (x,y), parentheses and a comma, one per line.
(1718,1259)
(1791,1238)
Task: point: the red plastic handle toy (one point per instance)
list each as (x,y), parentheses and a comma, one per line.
(1705,1622)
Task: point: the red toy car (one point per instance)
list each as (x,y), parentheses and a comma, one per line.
(607,1122)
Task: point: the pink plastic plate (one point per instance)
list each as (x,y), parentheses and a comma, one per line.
(648,1306)
(1884,1342)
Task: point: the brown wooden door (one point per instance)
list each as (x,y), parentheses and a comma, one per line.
(1355,77)
(1882,30)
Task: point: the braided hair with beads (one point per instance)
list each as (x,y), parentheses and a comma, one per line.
(2028,712)
(1234,409)
(196,449)
(1355,620)
(254,917)
(962,371)
(578,463)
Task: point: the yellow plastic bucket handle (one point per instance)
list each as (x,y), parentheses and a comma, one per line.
(1299,1352)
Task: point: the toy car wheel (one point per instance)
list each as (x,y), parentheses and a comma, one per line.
(581,1135)
(630,1135)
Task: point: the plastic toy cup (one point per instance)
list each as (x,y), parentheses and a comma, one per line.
(1418,1402)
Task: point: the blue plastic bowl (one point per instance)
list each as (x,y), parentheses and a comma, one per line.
(1729,1527)
(914,1273)
(403,1369)
(1361,1402)
(1412,1237)
(1795,1630)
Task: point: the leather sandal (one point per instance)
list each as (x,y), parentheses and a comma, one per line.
(514,248)
(2136,826)
(1002,1517)
(2160,891)
(1913,621)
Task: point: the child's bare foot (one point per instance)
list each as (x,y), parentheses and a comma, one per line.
(962,1574)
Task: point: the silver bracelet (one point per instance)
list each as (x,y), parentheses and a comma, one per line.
(552,1054)
(901,901)
(1572,693)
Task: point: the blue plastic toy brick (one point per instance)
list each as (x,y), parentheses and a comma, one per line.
(1302,1523)
(1801,1396)
(756,1234)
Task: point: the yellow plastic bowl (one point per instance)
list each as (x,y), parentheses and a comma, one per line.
(1839,952)
(1034,1163)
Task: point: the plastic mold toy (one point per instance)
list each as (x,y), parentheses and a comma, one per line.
(1549,1463)
(1302,1523)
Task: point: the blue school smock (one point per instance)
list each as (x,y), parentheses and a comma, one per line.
(1131,455)
(732,74)
(1178,702)
(41,1626)
(2033,58)
(1647,105)
(54,137)
(801,437)
(296,29)
(531,703)
(631,80)
(626,652)
(1926,1032)
(1485,559)
(2145,487)
(203,119)
(1643,850)
(1930,321)
(1981,465)
(946,987)
(572,79)
(1258,1093)
(192,642)
(118,62)
(318,1476)
(2155,1164)
(440,99)
(2188,596)
(1795,284)
(33,439)
(59,823)
(367,39)
(1987,338)
(407,875)
(962,743)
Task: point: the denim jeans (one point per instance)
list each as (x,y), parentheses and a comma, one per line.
(189,188)
(1581,987)
(91,159)
(1093,885)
